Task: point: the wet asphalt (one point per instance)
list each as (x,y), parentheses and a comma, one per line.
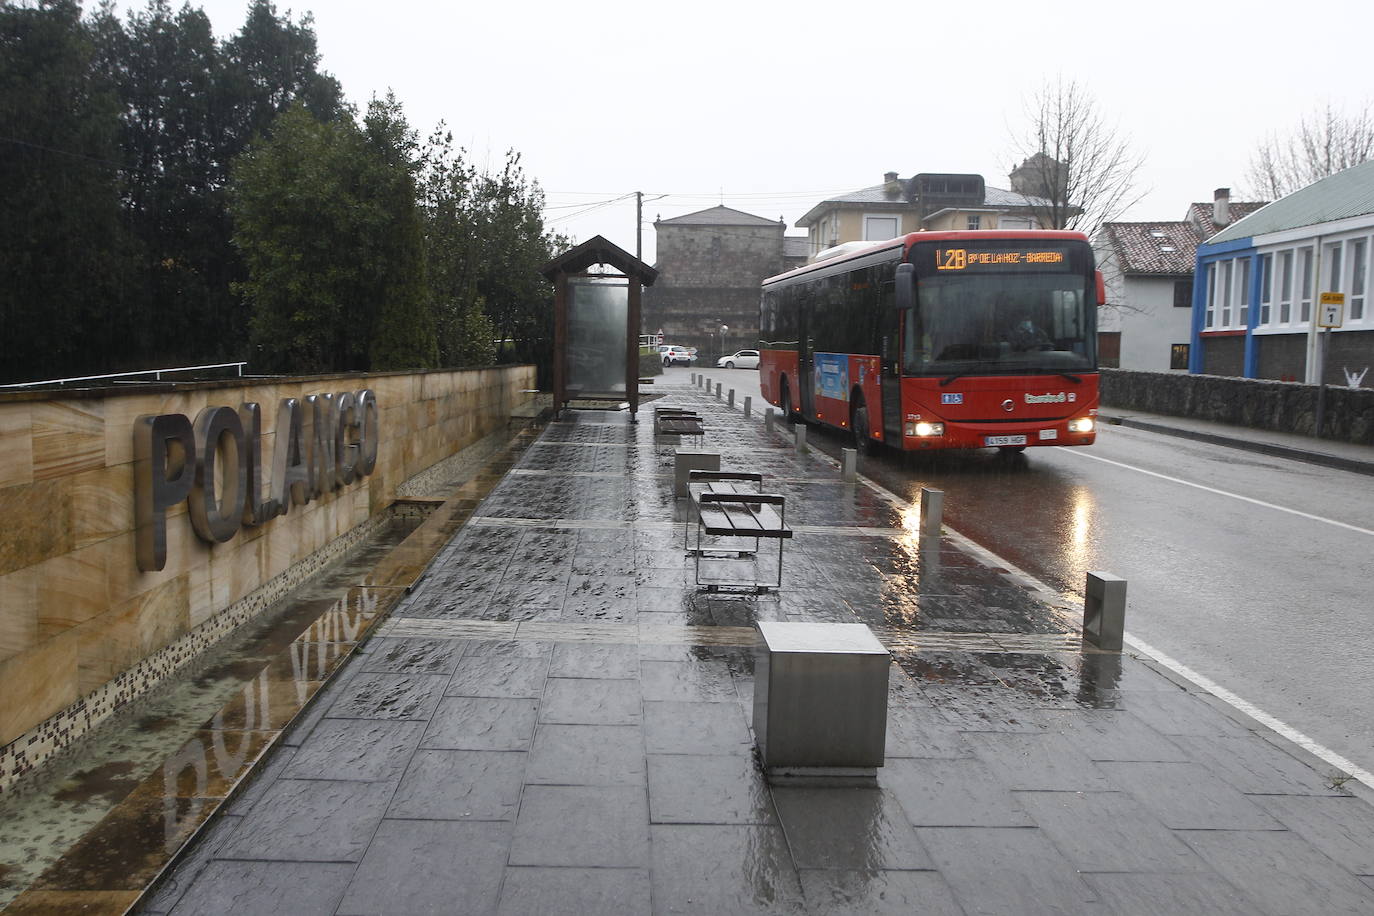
(558,720)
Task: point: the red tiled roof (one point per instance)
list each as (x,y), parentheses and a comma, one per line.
(1169,248)
(1153,248)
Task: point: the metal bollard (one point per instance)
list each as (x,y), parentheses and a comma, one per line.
(799,437)
(748,406)
(849,463)
(768,419)
(1104,610)
(932,513)
(730,399)
(694,378)
(717,391)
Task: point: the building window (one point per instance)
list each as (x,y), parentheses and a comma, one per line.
(1211,295)
(1285,287)
(1178,356)
(1011,222)
(1266,284)
(1333,260)
(1243,292)
(1358,250)
(1183,294)
(1305,290)
(1226,293)
(1109,349)
(878,228)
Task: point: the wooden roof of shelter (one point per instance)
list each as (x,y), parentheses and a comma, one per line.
(598,250)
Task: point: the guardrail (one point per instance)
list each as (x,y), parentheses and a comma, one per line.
(155,373)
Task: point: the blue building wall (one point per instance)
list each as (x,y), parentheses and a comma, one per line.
(1207,255)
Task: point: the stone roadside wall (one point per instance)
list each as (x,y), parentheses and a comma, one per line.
(1288,407)
(82,630)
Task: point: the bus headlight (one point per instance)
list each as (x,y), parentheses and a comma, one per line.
(1081,425)
(923,429)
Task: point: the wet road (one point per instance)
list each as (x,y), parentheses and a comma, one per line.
(1253,571)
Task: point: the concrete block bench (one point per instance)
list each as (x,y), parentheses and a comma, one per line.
(820,702)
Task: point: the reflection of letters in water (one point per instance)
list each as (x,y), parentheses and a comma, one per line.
(225,750)
(832,376)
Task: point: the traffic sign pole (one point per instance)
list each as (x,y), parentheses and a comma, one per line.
(1332,315)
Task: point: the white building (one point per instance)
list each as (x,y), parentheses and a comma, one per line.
(1148,268)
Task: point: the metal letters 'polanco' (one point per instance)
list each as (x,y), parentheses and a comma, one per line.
(322,443)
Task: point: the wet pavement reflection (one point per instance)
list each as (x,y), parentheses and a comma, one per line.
(556,718)
(93,830)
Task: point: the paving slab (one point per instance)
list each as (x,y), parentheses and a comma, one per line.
(557,719)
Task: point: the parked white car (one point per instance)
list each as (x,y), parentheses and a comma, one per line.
(673,355)
(740,359)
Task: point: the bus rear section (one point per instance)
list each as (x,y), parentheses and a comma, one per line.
(941,340)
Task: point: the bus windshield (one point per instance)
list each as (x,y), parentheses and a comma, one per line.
(998,324)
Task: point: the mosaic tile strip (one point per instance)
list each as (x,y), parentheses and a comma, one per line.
(434,480)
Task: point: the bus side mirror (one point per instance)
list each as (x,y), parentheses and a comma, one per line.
(1101,288)
(905,290)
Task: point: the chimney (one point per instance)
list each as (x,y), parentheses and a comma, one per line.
(1221,207)
(891,185)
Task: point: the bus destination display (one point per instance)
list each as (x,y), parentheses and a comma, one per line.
(1000,258)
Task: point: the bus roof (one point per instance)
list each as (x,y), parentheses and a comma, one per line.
(904,242)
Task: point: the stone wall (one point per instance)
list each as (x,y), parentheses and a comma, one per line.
(1257,403)
(82,629)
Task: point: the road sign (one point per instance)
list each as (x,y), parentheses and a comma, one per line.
(1332,310)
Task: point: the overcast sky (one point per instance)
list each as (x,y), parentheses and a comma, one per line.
(771,107)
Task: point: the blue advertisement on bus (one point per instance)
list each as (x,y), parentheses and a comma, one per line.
(832,376)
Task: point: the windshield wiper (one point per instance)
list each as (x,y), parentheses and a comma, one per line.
(946,381)
(1073,378)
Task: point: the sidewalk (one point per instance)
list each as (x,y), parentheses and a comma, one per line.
(1346,456)
(558,721)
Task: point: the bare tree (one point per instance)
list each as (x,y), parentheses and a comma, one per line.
(1325,142)
(1072,159)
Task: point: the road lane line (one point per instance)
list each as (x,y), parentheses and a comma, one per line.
(1253,711)
(1188,483)
(1054,598)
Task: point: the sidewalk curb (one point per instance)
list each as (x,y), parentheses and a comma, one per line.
(1265,448)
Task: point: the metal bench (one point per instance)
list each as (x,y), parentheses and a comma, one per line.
(731,504)
(678,422)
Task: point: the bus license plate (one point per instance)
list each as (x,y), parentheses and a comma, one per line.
(1004,440)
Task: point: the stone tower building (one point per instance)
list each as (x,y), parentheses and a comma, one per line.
(710,266)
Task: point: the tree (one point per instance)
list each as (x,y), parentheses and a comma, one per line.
(486,243)
(62,245)
(403,336)
(448,190)
(1325,142)
(1080,166)
(326,219)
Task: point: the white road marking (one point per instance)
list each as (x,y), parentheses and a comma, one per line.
(1141,647)
(1188,483)
(1253,711)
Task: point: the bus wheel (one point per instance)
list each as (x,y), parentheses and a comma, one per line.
(863,439)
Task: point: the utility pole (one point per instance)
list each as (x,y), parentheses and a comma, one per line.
(639,225)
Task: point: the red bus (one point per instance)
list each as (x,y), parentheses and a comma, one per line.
(940,340)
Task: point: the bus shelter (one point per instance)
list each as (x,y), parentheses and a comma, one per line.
(596,317)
